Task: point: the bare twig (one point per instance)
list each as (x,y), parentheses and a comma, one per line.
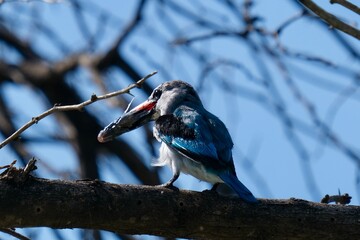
(131,26)
(19,175)
(347,5)
(13,233)
(78,107)
(289,21)
(9,165)
(332,20)
(30,166)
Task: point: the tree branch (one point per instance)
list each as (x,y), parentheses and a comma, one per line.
(78,107)
(21,46)
(14,234)
(347,5)
(136,209)
(332,20)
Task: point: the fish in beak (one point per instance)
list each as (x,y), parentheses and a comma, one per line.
(135,118)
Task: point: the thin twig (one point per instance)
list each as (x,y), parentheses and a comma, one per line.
(13,233)
(30,166)
(78,107)
(332,20)
(289,21)
(347,5)
(9,165)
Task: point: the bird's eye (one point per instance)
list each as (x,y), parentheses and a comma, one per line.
(157,94)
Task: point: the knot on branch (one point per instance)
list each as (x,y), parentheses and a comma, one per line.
(35,120)
(338,199)
(140,83)
(93,97)
(16,175)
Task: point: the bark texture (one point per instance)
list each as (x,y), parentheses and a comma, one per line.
(26,201)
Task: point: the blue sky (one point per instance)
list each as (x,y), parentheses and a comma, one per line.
(256,130)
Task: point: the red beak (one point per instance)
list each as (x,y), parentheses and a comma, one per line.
(133,119)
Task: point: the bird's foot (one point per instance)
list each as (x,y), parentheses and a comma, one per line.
(213,189)
(168,185)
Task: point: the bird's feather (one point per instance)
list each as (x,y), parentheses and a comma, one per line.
(239,188)
(189,133)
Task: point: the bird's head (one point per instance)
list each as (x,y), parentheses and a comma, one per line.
(162,101)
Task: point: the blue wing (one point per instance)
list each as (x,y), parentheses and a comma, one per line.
(200,137)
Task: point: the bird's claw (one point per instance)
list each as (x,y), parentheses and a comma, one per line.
(168,186)
(209,191)
(212,190)
(214,187)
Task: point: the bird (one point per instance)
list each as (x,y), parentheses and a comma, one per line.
(193,140)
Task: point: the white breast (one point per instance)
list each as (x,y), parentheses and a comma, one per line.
(180,163)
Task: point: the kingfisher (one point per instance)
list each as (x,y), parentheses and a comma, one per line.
(193,140)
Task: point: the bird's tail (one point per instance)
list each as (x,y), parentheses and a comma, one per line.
(238,187)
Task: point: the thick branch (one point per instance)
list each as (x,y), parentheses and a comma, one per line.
(130,209)
(21,46)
